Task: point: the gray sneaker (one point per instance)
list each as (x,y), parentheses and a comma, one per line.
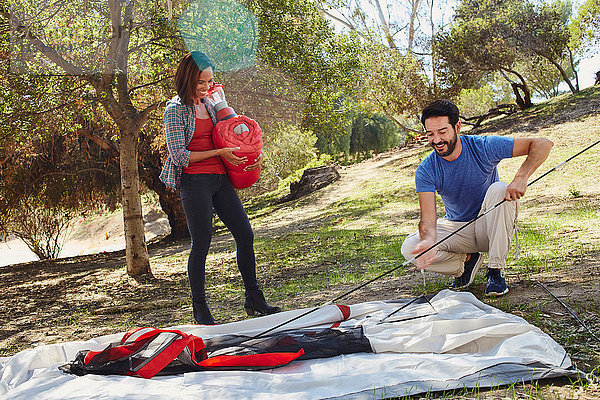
(471,268)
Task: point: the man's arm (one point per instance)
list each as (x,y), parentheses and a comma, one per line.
(536,150)
(427,229)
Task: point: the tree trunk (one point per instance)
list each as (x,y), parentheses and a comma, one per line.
(385,26)
(433,51)
(136,252)
(169,199)
(414,4)
(573,68)
(170,202)
(522,101)
(563,73)
(312,179)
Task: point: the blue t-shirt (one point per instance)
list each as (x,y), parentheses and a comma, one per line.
(462,183)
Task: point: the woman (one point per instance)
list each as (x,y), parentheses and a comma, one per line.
(195,168)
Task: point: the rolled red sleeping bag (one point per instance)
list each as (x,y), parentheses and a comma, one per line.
(243,132)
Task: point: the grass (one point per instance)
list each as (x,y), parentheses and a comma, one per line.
(316,248)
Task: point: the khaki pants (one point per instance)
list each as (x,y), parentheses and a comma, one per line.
(491,233)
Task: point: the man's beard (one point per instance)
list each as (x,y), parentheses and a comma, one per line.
(451,146)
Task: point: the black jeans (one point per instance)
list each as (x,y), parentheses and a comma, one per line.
(200,193)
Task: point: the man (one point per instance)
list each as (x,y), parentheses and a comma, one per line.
(462,170)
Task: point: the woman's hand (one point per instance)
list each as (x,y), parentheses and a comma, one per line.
(257,162)
(227,154)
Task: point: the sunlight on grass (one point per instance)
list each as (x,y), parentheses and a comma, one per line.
(304,262)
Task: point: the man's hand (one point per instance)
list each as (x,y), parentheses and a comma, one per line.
(516,189)
(536,150)
(427,258)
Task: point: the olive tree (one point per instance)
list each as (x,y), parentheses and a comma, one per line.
(118,50)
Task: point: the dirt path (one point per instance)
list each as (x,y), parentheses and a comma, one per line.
(308,212)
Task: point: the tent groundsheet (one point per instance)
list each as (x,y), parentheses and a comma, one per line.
(450,341)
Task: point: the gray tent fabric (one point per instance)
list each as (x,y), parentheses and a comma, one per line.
(452,341)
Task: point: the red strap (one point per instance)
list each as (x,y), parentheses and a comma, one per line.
(118,352)
(252,360)
(345,311)
(131,332)
(345,314)
(157,362)
(162,359)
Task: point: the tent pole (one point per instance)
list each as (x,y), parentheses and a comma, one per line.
(418,255)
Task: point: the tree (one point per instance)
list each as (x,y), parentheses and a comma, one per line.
(542,30)
(391,24)
(473,102)
(543,76)
(585,28)
(396,85)
(501,35)
(48,174)
(479,41)
(373,133)
(299,42)
(127,41)
(288,148)
(396,47)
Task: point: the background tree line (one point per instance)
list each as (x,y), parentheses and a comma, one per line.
(82,125)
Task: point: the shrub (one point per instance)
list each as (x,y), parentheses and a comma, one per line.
(42,229)
(473,102)
(288,149)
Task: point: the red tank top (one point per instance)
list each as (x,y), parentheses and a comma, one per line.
(202,141)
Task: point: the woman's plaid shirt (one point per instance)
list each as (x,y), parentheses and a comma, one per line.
(180,122)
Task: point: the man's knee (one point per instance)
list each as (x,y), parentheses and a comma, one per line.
(498,189)
(409,245)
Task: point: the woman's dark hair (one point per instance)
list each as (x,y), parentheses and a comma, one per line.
(441,108)
(188,73)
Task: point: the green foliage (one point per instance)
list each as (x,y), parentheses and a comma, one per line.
(287,149)
(585,28)
(43,229)
(296,39)
(392,82)
(45,180)
(543,76)
(224,30)
(473,102)
(373,133)
(488,36)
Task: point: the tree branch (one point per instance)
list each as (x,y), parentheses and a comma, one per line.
(101,142)
(145,113)
(149,84)
(47,51)
(385,26)
(396,120)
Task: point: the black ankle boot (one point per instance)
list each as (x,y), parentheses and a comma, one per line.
(202,313)
(256,304)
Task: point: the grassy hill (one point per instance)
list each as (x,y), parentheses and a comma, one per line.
(315,248)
